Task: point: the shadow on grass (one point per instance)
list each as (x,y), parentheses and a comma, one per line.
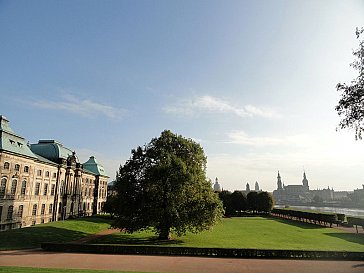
(127,239)
(350,237)
(297,223)
(96,219)
(32,237)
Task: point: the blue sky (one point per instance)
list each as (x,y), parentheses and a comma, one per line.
(252,81)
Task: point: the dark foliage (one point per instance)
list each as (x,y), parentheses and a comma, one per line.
(351,103)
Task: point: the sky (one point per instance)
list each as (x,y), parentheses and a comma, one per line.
(252,81)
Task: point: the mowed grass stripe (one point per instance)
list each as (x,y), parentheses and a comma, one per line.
(253,232)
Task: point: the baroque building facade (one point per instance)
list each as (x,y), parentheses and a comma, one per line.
(45,182)
(301,194)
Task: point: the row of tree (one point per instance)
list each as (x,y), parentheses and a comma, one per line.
(307,216)
(237,201)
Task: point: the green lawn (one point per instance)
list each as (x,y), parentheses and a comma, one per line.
(15,269)
(254,232)
(61,231)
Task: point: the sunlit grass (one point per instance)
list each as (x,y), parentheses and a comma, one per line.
(253,232)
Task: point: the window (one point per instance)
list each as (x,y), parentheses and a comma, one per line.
(34,211)
(2,187)
(13,187)
(39,172)
(26,169)
(62,187)
(6,166)
(42,209)
(54,175)
(10,213)
(20,211)
(45,189)
(60,207)
(53,189)
(23,187)
(17,167)
(47,174)
(36,191)
(50,208)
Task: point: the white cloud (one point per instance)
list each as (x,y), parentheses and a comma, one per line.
(83,107)
(216,105)
(240,137)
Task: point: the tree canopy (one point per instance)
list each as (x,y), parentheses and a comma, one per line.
(351,103)
(163,186)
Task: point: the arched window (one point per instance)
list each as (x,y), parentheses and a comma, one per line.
(26,169)
(10,213)
(6,166)
(34,211)
(3,187)
(13,187)
(20,211)
(23,187)
(47,173)
(17,167)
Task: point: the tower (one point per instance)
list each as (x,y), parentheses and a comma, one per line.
(305,181)
(256,188)
(247,187)
(217,186)
(279,182)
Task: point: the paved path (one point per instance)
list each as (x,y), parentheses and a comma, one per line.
(39,258)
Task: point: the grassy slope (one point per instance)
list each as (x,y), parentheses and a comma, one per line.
(62,231)
(255,232)
(13,269)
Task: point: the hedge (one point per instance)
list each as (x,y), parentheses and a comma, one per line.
(355,221)
(205,252)
(315,217)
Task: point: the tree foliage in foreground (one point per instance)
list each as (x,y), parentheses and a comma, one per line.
(351,103)
(163,186)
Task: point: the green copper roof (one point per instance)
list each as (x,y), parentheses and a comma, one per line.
(51,150)
(94,167)
(11,142)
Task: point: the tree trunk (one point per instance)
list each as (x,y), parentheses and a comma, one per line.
(165,233)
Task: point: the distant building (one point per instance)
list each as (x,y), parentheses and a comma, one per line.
(256,188)
(247,188)
(300,194)
(45,182)
(217,187)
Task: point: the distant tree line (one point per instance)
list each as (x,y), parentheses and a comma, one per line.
(237,202)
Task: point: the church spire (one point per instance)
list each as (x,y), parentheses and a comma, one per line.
(279,182)
(305,181)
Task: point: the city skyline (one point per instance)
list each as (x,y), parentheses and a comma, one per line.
(252,82)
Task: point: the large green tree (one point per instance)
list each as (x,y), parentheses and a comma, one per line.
(163,186)
(351,103)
